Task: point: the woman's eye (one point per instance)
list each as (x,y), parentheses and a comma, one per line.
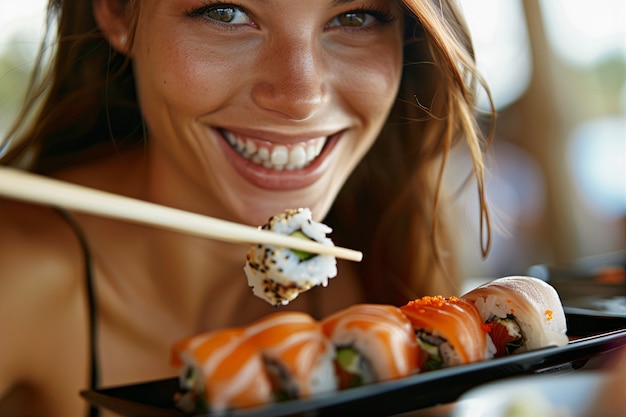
(360,19)
(354,19)
(223,13)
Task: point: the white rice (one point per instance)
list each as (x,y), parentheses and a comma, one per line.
(323,378)
(278,275)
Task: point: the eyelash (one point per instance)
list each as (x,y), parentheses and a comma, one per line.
(209,5)
(382,16)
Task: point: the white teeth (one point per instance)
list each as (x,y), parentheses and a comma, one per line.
(297,156)
(250,147)
(277,157)
(264,154)
(280,155)
(311,152)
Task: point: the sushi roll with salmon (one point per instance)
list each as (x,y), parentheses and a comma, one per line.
(522,314)
(220,371)
(373,342)
(277,274)
(298,357)
(449,332)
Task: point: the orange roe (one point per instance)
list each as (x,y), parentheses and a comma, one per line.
(549,314)
(487,327)
(427,301)
(421,305)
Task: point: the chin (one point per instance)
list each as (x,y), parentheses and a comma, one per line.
(256,211)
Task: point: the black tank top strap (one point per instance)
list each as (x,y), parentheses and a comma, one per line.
(91,305)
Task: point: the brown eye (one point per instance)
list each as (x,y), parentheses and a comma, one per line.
(354,19)
(357,19)
(222,14)
(226,14)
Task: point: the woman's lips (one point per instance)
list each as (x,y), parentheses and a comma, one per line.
(278,166)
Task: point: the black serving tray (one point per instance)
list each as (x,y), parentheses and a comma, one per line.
(154,398)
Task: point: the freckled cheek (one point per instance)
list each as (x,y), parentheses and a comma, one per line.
(186,80)
(371,85)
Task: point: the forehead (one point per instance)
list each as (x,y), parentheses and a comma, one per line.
(133,5)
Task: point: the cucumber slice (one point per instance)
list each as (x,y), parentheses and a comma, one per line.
(348,358)
(434,360)
(302,255)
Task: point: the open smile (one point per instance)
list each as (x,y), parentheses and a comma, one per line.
(276,156)
(277,165)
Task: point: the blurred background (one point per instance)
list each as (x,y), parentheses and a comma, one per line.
(557,169)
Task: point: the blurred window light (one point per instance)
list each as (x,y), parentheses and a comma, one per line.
(502,47)
(583,32)
(597,158)
(22,24)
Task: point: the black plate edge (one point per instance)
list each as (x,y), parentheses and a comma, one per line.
(126,407)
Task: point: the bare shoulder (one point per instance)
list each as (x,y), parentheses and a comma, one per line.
(34,241)
(40,282)
(38,247)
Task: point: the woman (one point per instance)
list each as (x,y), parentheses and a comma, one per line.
(200,106)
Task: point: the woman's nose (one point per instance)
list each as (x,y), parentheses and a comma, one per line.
(291,80)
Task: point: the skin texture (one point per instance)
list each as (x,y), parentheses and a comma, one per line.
(311,78)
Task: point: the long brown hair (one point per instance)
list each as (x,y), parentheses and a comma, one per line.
(82,97)
(392,207)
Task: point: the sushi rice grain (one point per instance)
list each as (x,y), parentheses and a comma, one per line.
(278,275)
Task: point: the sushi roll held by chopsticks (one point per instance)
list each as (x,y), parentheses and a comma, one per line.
(277,274)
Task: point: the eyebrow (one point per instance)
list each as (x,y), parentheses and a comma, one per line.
(335,3)
(341,2)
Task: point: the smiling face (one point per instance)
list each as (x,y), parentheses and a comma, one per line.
(266,105)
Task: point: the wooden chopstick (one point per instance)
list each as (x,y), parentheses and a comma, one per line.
(25,186)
